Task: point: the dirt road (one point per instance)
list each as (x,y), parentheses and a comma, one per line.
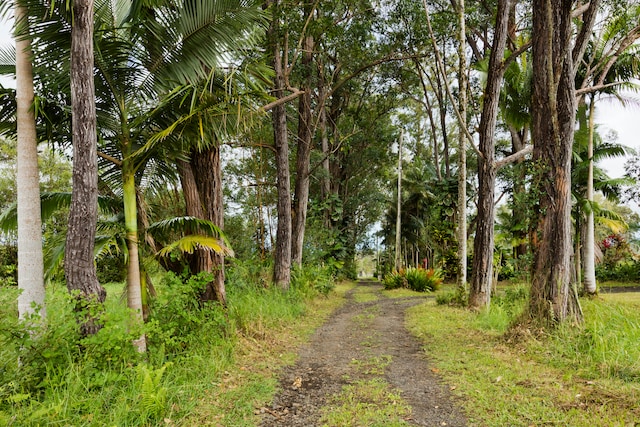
(364,344)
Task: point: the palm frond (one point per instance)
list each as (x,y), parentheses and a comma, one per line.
(188,244)
(187,224)
(51,203)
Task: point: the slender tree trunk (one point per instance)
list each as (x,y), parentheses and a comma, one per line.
(519,139)
(442,108)
(79,266)
(462,151)
(324,142)
(482,272)
(589,238)
(301,199)
(134,283)
(30,259)
(282,261)
(553,112)
(432,123)
(399,207)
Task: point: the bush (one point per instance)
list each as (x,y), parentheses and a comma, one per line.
(416,279)
(310,280)
(395,280)
(455,298)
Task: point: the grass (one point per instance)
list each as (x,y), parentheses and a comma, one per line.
(371,403)
(203,367)
(364,294)
(250,382)
(574,376)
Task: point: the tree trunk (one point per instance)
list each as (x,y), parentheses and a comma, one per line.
(301,199)
(324,142)
(462,152)
(398,261)
(518,142)
(553,299)
(79,266)
(282,261)
(208,173)
(134,284)
(482,272)
(30,259)
(590,286)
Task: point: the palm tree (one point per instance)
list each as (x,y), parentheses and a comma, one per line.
(30,258)
(611,62)
(144,56)
(587,177)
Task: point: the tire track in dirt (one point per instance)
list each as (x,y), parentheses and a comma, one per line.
(361,338)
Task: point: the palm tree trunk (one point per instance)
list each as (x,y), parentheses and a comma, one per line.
(30,259)
(589,238)
(79,266)
(134,284)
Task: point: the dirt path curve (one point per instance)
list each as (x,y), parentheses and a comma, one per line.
(364,339)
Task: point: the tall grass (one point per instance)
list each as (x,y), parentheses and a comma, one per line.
(59,378)
(607,345)
(577,375)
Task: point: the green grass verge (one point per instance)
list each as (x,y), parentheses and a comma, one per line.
(204,367)
(574,376)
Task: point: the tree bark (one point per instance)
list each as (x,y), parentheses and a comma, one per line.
(590,285)
(282,258)
(553,299)
(30,258)
(482,271)
(462,151)
(80,270)
(208,173)
(301,198)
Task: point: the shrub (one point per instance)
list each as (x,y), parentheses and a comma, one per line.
(416,279)
(455,298)
(395,280)
(422,280)
(310,280)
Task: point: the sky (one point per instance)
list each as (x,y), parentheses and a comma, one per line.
(610,115)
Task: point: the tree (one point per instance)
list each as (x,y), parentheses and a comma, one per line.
(79,266)
(553,299)
(30,258)
(611,62)
(482,270)
(462,152)
(282,259)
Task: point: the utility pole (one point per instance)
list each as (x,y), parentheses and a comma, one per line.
(398,222)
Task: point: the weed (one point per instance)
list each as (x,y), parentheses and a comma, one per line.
(371,403)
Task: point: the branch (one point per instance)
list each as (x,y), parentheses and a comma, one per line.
(515,54)
(588,12)
(442,72)
(110,159)
(514,157)
(296,93)
(388,58)
(591,89)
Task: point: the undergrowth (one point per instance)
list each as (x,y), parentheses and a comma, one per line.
(57,377)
